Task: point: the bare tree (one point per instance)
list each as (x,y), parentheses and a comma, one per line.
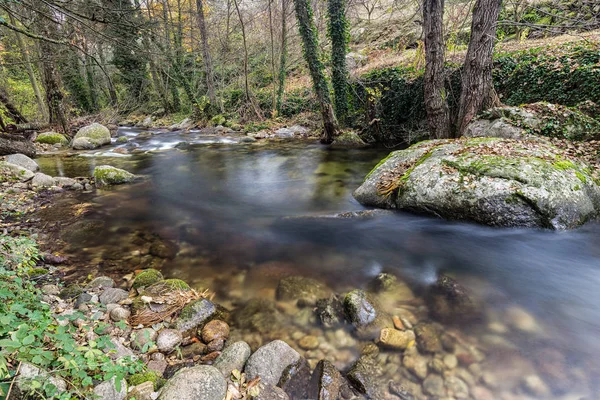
(436,104)
(477,86)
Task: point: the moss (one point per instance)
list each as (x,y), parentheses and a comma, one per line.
(148,376)
(147,277)
(70,292)
(379,164)
(218,120)
(122,139)
(95,132)
(108,175)
(37,272)
(52,138)
(169,285)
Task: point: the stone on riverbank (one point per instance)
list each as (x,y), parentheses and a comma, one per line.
(147,277)
(23,161)
(13,172)
(52,138)
(195,315)
(108,175)
(270,361)
(42,181)
(201,383)
(91,137)
(497,182)
(233,357)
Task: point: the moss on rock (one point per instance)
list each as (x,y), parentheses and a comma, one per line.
(147,277)
(148,376)
(52,138)
(108,175)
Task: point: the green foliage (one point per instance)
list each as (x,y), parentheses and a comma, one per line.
(29,332)
(337,28)
(566,74)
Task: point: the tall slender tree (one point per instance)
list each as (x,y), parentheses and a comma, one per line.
(477,86)
(206,58)
(312,57)
(337,28)
(282,56)
(436,103)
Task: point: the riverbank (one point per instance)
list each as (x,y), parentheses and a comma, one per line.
(393,337)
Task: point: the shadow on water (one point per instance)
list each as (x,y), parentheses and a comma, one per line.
(229,206)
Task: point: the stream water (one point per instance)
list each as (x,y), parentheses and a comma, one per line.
(240,216)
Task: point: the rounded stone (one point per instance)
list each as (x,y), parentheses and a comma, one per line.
(168,339)
(308,342)
(215,345)
(113,296)
(434,386)
(233,357)
(270,361)
(200,383)
(140,338)
(119,314)
(215,329)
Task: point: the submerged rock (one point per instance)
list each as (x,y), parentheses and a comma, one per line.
(202,382)
(108,175)
(91,137)
(497,182)
(359,308)
(330,311)
(270,361)
(259,315)
(299,287)
(449,302)
(365,376)
(327,382)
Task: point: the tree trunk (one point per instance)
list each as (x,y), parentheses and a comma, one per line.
(282,56)
(273,73)
(317,70)
(338,32)
(436,104)
(477,71)
(208,68)
(54,94)
(12,110)
(9,144)
(34,84)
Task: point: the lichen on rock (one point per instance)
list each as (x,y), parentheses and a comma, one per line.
(108,175)
(497,182)
(95,135)
(52,138)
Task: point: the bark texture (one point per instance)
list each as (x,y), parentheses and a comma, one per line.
(477,71)
(208,68)
(12,144)
(436,103)
(317,70)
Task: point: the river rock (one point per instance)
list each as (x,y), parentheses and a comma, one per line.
(119,314)
(214,330)
(195,315)
(456,387)
(450,302)
(200,383)
(42,181)
(194,349)
(428,338)
(348,139)
(143,391)
(113,296)
(270,361)
(260,315)
(101,282)
(395,339)
(168,339)
(23,161)
(415,363)
(91,137)
(326,382)
(365,376)
(146,278)
(141,337)
(164,249)
(270,392)
(29,372)
(118,350)
(52,138)
(10,171)
(108,175)
(233,357)
(497,182)
(434,386)
(108,390)
(330,311)
(299,287)
(295,379)
(359,308)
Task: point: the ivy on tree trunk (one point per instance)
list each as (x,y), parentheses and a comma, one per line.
(310,43)
(338,33)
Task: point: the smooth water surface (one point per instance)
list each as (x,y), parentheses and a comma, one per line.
(243,215)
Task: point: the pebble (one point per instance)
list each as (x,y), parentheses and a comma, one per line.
(450,361)
(521,320)
(168,339)
(159,366)
(396,339)
(119,314)
(141,337)
(215,329)
(398,323)
(482,393)
(534,385)
(308,342)
(457,387)
(113,296)
(215,345)
(434,385)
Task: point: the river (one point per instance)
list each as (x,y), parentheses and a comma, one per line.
(243,215)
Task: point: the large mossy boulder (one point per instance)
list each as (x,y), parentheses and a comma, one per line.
(12,172)
(492,181)
(108,175)
(52,138)
(545,119)
(91,137)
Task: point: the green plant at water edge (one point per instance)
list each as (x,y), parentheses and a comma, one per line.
(30,333)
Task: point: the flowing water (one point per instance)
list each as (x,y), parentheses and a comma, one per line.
(240,216)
